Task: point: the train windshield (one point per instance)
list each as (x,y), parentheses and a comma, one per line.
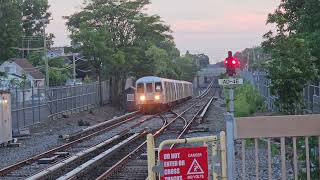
(140,88)
(158,87)
(149,87)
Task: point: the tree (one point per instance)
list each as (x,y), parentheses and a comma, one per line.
(187,68)
(10,29)
(293,61)
(59,71)
(32,11)
(116,37)
(201,60)
(291,66)
(17,20)
(159,63)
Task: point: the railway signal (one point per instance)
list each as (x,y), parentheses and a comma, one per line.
(231,64)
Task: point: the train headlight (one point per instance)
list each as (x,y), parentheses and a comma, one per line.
(3,101)
(157,97)
(142,98)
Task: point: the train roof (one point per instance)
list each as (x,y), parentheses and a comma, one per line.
(158,79)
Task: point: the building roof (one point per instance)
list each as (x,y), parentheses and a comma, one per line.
(28,68)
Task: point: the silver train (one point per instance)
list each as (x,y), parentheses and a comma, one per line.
(154,93)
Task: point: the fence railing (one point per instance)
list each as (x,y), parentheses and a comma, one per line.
(311,93)
(31,106)
(274,147)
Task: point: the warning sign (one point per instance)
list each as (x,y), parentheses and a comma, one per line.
(195,168)
(185,163)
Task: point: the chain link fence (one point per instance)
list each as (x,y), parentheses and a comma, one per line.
(311,93)
(31,106)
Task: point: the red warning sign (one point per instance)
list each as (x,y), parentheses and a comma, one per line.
(185,163)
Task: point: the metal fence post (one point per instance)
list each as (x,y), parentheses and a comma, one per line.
(151,157)
(24,106)
(230,145)
(32,99)
(16,109)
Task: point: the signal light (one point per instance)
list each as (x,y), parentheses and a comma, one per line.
(231,64)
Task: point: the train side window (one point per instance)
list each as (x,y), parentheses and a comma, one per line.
(140,88)
(158,87)
(149,87)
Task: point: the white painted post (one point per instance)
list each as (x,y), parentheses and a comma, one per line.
(230,144)
(5,117)
(151,157)
(231,101)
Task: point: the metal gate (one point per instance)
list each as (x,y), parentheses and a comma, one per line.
(216,145)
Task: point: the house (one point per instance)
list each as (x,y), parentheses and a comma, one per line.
(55,52)
(16,68)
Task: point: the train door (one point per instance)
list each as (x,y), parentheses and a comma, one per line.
(149,91)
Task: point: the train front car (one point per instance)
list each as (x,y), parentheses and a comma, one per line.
(149,93)
(155,93)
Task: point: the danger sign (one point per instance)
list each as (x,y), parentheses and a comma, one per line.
(185,163)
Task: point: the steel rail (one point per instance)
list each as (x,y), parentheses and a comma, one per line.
(203,109)
(33,159)
(124,160)
(51,169)
(74,174)
(184,119)
(73,158)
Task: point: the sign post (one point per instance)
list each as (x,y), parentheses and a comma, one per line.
(230,83)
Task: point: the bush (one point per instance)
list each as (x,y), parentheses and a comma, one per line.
(247,100)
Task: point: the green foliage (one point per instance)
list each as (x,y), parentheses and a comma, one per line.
(16,20)
(87,79)
(201,60)
(294,61)
(120,40)
(291,66)
(247,100)
(34,10)
(36,59)
(59,71)
(313,157)
(10,29)
(187,68)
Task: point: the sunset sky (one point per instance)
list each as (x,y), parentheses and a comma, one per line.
(201,26)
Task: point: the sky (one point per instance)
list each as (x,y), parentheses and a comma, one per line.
(212,27)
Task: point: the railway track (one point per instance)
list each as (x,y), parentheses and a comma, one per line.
(134,165)
(74,143)
(101,155)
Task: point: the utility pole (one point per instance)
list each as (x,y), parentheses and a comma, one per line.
(74,67)
(45,55)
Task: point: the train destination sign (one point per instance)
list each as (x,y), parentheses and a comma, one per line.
(231,81)
(185,163)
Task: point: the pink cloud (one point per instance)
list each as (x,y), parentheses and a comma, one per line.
(246,22)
